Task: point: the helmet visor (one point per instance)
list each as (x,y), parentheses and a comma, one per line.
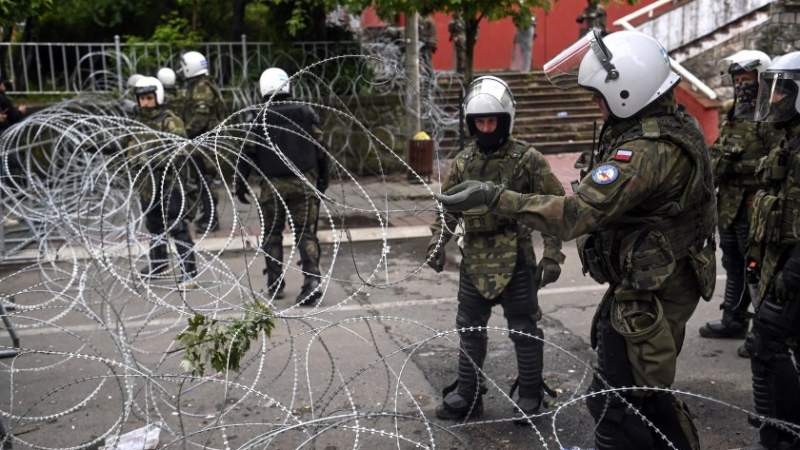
(488,95)
(563,70)
(777,96)
(729,66)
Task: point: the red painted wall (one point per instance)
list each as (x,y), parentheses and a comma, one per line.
(705,111)
(556,30)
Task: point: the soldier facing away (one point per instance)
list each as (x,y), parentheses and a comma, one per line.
(204,110)
(644,219)
(174,98)
(775,235)
(160,178)
(291,129)
(499,265)
(734,157)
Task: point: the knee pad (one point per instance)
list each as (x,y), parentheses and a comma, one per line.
(471,324)
(524,329)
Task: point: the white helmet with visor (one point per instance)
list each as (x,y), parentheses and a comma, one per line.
(629,69)
(778,99)
(744,61)
(489,96)
(150,85)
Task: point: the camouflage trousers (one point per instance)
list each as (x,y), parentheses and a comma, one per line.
(638,336)
(292,196)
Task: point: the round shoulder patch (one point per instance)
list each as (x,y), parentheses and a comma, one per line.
(605,174)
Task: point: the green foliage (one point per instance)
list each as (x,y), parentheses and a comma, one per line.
(175,30)
(223,346)
(13,11)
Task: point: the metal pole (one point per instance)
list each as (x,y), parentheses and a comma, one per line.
(412,73)
(118,49)
(244,59)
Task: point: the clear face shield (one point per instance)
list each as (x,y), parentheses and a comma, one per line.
(777,97)
(562,70)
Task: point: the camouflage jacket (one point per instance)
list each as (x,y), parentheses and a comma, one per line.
(490,243)
(734,157)
(649,200)
(149,154)
(174,99)
(204,106)
(775,223)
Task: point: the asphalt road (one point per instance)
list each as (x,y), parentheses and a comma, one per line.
(362,370)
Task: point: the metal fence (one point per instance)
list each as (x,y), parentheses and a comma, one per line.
(68,68)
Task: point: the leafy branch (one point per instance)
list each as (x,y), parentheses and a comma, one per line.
(223,345)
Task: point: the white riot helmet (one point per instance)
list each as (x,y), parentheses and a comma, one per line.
(490,96)
(147,85)
(629,69)
(744,61)
(745,88)
(193,64)
(778,99)
(167,77)
(272,80)
(133,79)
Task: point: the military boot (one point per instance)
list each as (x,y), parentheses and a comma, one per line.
(310,293)
(731,326)
(456,406)
(275,289)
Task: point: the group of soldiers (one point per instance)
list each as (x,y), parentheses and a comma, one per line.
(284,128)
(645,216)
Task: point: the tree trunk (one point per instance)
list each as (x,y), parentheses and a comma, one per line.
(471,25)
(237,22)
(5,71)
(195,14)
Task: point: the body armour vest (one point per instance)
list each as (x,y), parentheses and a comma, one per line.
(735,156)
(775,223)
(289,128)
(641,250)
(490,242)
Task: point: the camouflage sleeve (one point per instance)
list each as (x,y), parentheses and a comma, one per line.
(543,181)
(612,189)
(174,125)
(199,109)
(451,222)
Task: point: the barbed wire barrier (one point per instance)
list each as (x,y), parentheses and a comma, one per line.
(98,356)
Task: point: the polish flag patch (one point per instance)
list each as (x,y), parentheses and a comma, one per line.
(623,155)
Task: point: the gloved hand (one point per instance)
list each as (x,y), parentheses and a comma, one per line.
(241,191)
(470,195)
(437,260)
(547,271)
(786,285)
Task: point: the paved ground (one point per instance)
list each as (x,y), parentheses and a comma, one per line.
(364,369)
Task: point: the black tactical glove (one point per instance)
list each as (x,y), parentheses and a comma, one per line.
(436,257)
(471,195)
(547,271)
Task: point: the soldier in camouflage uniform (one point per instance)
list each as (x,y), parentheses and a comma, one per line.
(292,129)
(174,98)
(204,109)
(160,175)
(734,157)
(499,265)
(644,219)
(458,36)
(592,18)
(775,235)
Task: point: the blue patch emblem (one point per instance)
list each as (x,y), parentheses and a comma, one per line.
(605,174)
(666,56)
